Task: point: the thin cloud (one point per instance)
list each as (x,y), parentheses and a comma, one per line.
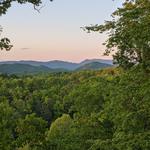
(25,48)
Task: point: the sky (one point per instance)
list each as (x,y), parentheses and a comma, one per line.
(55,33)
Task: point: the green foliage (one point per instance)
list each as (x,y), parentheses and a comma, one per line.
(4,42)
(6,125)
(59,131)
(26,147)
(30,130)
(88,110)
(21,69)
(128,33)
(93,66)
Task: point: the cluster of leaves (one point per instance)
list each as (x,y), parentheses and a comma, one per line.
(4,43)
(89,110)
(128,33)
(6,4)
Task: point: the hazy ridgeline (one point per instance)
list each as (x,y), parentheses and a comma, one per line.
(34,67)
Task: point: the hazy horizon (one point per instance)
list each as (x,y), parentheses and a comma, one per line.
(58,60)
(55,33)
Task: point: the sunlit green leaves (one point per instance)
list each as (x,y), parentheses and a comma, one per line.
(128,34)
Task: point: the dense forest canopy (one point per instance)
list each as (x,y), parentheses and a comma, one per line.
(88,110)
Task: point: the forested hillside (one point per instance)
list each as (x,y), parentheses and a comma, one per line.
(20,67)
(88,110)
(23,69)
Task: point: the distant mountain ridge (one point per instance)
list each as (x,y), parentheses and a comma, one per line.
(24,69)
(32,67)
(93,66)
(56,64)
(104,61)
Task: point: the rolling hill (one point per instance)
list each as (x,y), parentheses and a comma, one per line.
(33,67)
(93,66)
(23,69)
(57,64)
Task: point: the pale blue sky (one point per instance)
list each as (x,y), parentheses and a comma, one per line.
(55,32)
